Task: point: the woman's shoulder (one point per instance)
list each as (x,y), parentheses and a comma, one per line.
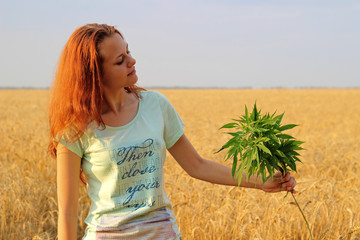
(152,95)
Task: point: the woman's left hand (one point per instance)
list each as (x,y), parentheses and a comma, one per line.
(279,183)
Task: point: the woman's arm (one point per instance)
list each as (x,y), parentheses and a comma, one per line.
(200,168)
(68,176)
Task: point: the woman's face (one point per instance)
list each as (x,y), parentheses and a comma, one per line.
(118,65)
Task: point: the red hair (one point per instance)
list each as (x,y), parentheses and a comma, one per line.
(77,93)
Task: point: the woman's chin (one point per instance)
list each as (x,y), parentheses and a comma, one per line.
(134,80)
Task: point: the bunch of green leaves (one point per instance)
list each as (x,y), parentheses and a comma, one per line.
(258,145)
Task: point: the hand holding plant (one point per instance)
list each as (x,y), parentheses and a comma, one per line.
(259,146)
(279,183)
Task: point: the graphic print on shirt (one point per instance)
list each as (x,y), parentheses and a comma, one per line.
(140,174)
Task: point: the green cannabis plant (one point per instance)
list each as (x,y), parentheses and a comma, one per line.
(259,146)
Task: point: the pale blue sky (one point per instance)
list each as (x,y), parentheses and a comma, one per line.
(199,43)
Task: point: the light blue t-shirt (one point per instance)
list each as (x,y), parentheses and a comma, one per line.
(124,172)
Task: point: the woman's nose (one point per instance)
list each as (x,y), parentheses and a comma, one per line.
(131,62)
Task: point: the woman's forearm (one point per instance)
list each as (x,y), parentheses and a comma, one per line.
(68,170)
(67,226)
(220,174)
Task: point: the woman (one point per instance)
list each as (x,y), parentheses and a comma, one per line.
(117,134)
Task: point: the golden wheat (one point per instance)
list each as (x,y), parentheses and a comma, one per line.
(327,183)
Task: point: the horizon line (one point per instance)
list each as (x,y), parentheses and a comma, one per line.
(187,87)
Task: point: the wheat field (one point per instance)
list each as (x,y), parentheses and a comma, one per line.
(328,182)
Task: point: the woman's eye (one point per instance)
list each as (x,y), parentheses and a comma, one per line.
(119,63)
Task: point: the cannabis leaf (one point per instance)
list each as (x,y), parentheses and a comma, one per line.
(258,145)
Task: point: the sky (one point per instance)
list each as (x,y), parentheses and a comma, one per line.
(193,44)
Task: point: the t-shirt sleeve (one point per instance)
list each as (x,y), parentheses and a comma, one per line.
(75,146)
(173,125)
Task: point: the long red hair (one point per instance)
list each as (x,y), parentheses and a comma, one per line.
(77,92)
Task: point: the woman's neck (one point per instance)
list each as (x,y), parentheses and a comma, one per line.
(115,101)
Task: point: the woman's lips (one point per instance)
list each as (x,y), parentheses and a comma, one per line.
(132,73)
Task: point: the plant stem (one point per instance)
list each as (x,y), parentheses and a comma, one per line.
(283,172)
(297,204)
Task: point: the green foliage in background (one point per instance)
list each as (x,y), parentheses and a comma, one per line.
(258,145)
